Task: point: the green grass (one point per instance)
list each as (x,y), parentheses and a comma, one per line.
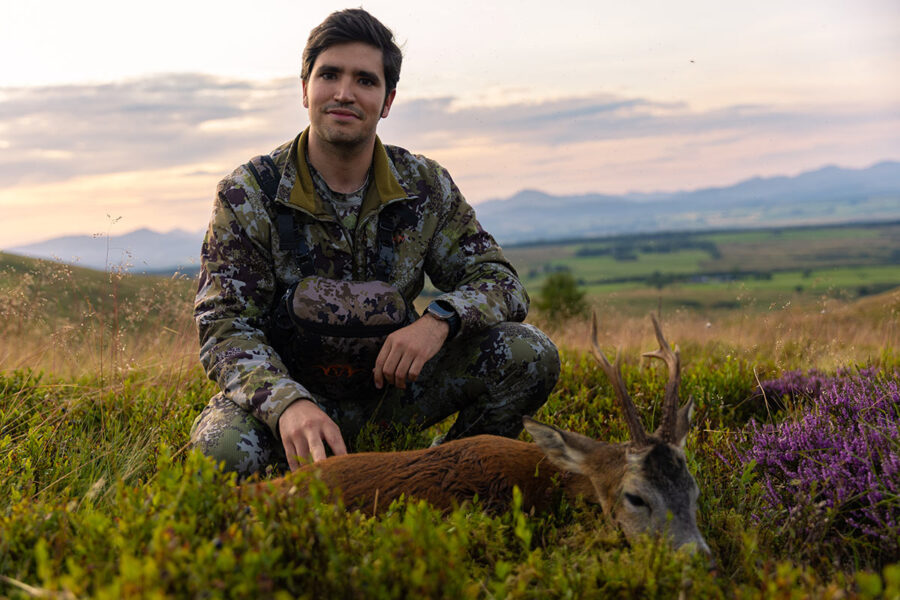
(805,287)
(99,497)
(102,501)
(853,233)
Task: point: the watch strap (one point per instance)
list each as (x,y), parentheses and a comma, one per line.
(446,312)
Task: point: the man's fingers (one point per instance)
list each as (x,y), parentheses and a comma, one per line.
(296,451)
(378,371)
(406,351)
(401,373)
(292,461)
(416,368)
(335,441)
(316,447)
(390,365)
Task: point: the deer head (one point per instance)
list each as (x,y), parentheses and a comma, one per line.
(644,484)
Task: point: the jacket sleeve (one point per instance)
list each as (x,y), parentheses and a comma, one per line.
(235,291)
(467,264)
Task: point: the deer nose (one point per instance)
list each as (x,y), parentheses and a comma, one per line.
(704,548)
(696,544)
(711,564)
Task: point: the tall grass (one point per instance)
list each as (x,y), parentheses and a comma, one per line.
(74,322)
(826,335)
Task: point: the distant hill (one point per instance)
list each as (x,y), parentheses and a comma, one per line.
(825,196)
(141,251)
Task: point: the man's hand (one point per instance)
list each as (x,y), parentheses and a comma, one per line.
(406,351)
(304,428)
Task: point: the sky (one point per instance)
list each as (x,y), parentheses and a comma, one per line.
(116,116)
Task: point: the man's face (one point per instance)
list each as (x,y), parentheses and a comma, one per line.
(345,94)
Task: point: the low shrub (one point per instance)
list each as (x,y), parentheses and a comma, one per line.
(830,473)
(561,298)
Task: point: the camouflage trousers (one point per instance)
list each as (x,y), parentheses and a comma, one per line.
(491,379)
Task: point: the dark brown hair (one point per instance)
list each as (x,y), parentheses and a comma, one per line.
(354,25)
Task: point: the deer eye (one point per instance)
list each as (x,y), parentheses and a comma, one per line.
(635,500)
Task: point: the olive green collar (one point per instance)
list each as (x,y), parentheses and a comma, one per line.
(303,195)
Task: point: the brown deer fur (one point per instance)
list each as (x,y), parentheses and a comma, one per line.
(487,466)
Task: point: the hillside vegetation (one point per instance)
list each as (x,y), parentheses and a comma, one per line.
(72,321)
(714,272)
(99,384)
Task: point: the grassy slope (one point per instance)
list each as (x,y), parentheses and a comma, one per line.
(102,500)
(74,321)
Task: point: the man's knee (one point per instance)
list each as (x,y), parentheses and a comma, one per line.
(233,437)
(521,350)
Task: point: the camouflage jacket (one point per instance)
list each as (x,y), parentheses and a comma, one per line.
(243,268)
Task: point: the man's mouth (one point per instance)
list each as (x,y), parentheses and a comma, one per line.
(343,113)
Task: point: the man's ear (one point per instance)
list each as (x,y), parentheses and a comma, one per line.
(305,98)
(565,449)
(388,101)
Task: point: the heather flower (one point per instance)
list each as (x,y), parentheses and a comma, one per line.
(832,470)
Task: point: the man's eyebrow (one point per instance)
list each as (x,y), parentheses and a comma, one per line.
(325,68)
(328,69)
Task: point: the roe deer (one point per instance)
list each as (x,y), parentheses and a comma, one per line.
(644,484)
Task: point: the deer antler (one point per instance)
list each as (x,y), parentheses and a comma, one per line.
(670,403)
(614,373)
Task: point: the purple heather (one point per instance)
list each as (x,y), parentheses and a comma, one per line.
(839,450)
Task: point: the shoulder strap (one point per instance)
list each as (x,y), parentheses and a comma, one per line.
(387,223)
(268,177)
(266,174)
(390,219)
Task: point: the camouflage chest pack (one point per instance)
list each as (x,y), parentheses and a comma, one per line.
(327,331)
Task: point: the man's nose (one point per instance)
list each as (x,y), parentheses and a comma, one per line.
(344,91)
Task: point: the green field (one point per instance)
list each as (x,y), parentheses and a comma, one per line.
(715,270)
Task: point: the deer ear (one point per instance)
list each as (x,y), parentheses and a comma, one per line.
(683,422)
(565,449)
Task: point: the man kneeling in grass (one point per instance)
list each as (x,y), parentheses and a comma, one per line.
(313,258)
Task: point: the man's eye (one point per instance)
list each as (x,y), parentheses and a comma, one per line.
(367,82)
(635,500)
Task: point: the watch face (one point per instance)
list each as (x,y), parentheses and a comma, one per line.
(439,311)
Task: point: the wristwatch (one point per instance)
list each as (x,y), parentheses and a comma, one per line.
(444,312)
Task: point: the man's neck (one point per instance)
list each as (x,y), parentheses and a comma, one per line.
(344,169)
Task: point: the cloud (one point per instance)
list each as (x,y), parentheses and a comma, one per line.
(208,125)
(55,133)
(580,119)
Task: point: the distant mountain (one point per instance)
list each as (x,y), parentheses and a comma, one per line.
(141,251)
(827,195)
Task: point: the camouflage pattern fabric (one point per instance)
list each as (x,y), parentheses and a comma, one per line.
(243,269)
(335,330)
(345,206)
(491,378)
(347,304)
